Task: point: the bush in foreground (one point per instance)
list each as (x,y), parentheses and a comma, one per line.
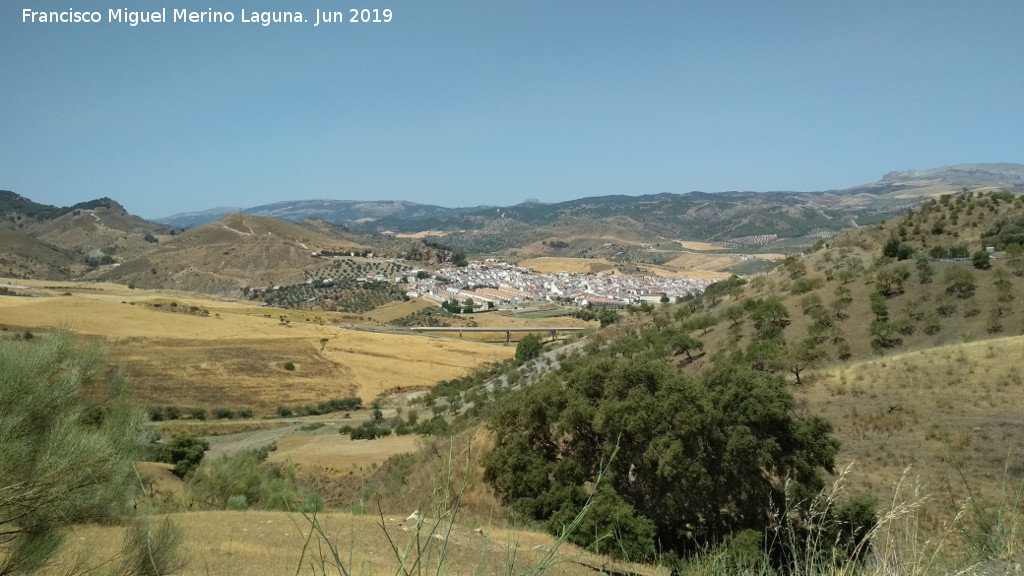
(59,464)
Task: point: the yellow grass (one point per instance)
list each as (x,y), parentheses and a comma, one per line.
(713,262)
(236,360)
(423,234)
(327,450)
(512,321)
(667,271)
(394,310)
(925,409)
(699,246)
(159,482)
(552,265)
(270,544)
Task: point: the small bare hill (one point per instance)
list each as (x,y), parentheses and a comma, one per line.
(104,225)
(225,256)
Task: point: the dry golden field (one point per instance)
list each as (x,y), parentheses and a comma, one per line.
(235,358)
(394,310)
(271,544)
(551,265)
(423,234)
(326,450)
(928,412)
(700,246)
(712,262)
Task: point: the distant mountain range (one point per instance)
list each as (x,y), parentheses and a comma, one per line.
(779,221)
(86,239)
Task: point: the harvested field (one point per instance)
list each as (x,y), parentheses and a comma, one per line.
(699,246)
(693,262)
(423,234)
(552,265)
(327,450)
(394,310)
(238,360)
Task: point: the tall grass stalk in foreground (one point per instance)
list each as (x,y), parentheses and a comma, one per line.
(992,536)
(426,552)
(813,541)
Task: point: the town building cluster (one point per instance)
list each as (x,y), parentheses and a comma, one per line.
(499,284)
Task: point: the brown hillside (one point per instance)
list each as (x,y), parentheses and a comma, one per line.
(24,257)
(225,256)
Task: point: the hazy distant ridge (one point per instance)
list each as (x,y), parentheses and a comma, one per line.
(401,213)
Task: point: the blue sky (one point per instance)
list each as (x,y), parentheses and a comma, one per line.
(461,103)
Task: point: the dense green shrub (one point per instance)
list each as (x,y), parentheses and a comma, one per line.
(698,458)
(369,431)
(232,480)
(436,426)
(223,413)
(184,452)
(155,413)
(804,285)
(529,348)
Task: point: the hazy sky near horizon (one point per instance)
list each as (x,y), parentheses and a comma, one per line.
(461,103)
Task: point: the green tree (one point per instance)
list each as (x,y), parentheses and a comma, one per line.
(770,317)
(59,465)
(801,356)
(960,281)
(981,260)
(878,307)
(529,348)
(889,280)
(185,452)
(698,457)
(607,317)
(702,322)
(925,270)
(683,343)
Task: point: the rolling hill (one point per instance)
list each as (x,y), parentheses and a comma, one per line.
(226,256)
